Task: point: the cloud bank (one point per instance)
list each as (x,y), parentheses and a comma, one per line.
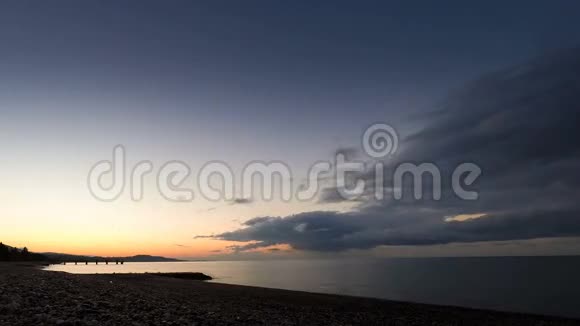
(520,125)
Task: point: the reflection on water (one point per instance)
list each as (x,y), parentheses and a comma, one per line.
(545,285)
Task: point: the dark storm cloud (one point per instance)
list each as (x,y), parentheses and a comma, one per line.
(520,126)
(323,231)
(526,113)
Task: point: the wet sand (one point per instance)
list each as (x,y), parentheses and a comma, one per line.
(30,296)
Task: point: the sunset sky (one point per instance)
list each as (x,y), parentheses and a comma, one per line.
(294,82)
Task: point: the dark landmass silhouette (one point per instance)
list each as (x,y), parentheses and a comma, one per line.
(80,258)
(9,253)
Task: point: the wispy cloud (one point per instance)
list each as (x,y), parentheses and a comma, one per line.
(241,201)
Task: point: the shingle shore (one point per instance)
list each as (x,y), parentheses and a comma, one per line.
(30,296)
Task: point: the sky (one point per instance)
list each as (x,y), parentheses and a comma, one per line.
(490,82)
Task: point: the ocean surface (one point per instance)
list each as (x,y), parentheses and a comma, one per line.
(541,285)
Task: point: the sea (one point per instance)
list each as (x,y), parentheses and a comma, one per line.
(539,285)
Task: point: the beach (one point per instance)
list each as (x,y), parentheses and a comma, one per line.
(31,296)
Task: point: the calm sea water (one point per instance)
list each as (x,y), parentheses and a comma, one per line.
(542,285)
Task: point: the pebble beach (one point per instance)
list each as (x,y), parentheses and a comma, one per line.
(31,296)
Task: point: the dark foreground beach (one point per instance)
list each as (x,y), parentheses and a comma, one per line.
(30,296)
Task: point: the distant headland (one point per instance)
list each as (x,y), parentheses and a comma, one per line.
(9,253)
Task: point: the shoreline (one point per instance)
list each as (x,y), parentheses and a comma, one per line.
(30,295)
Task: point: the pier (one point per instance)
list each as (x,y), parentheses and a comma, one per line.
(96,262)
